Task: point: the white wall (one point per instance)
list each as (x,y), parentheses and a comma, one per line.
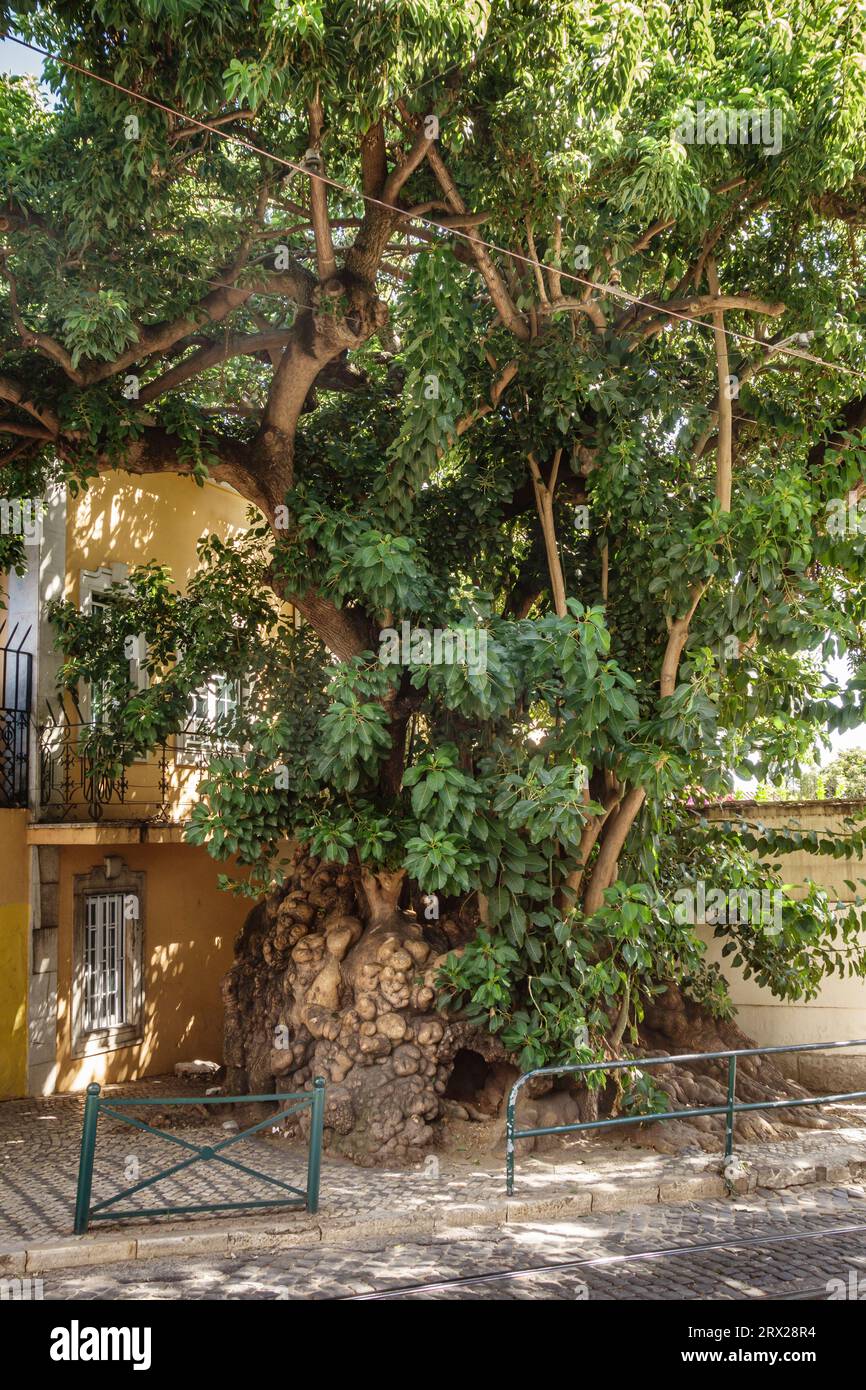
(839,1010)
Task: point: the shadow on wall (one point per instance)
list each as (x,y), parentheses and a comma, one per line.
(120,520)
(188,938)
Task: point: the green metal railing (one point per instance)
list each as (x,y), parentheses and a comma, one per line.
(731,1108)
(96,1105)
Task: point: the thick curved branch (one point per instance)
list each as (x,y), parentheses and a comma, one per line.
(419,151)
(502,301)
(157,450)
(27,431)
(243,344)
(345,633)
(701,305)
(14,393)
(590,307)
(160,338)
(614,837)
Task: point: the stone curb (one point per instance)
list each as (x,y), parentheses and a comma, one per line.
(76,1252)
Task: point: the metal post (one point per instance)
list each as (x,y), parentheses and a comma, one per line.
(314,1160)
(729,1118)
(509,1146)
(85,1162)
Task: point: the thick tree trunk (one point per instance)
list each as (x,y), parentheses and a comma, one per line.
(332,979)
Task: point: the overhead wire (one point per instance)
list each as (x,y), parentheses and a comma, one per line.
(605,288)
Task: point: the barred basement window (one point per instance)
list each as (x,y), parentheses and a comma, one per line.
(104,961)
(107,998)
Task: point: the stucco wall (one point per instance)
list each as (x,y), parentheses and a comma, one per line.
(189,931)
(14,919)
(190,925)
(839,1011)
(122,519)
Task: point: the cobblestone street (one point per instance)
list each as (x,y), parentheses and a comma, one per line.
(784,1266)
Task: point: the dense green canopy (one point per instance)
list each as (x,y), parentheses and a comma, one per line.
(565,349)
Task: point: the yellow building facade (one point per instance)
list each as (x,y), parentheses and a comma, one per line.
(114,937)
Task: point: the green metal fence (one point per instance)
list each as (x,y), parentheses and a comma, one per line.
(96,1105)
(731,1108)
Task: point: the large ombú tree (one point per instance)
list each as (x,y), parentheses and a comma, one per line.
(539,327)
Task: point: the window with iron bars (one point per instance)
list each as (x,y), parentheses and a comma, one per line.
(108,981)
(104,961)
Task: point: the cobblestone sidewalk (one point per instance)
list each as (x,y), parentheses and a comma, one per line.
(39,1146)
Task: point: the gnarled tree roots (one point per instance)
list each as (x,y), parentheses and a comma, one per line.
(331,979)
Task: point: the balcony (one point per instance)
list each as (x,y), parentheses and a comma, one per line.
(16,685)
(84,775)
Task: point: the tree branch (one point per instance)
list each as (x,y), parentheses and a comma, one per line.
(554,277)
(499,386)
(216,124)
(677,638)
(614,837)
(544,502)
(244,344)
(325,258)
(502,301)
(724,461)
(159,338)
(418,152)
(590,307)
(14,393)
(700,305)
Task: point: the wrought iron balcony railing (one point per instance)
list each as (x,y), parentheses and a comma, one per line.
(86,774)
(16,688)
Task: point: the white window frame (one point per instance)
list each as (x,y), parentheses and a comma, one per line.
(91,584)
(125,888)
(105,954)
(189,745)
